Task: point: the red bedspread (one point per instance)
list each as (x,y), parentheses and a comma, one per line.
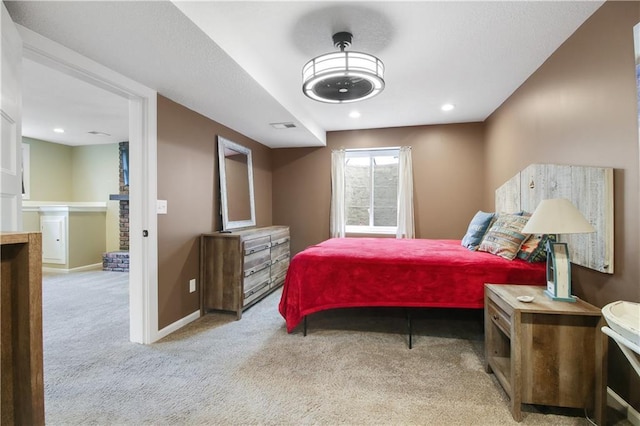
(359,272)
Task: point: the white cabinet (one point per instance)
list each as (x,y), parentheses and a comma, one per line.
(73,234)
(54,238)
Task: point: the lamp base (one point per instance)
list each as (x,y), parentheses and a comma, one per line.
(560,299)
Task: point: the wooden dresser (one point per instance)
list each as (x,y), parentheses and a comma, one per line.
(239,268)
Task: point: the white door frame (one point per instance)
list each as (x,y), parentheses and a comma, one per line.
(10,125)
(143,251)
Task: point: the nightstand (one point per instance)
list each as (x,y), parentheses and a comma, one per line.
(544,352)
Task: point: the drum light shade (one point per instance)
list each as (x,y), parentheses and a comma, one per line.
(341,77)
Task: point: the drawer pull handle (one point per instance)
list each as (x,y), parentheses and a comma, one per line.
(279,242)
(256,269)
(257,288)
(495,317)
(281,258)
(257,248)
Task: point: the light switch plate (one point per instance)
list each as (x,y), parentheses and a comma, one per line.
(161,206)
(192,285)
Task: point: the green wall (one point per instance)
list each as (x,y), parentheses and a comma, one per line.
(50,171)
(64,173)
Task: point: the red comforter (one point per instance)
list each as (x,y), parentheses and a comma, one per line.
(360,272)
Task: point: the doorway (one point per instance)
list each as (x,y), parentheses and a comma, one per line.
(143,283)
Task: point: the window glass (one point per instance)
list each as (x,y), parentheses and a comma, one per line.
(371,190)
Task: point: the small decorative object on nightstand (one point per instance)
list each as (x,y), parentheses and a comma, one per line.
(558,216)
(543,352)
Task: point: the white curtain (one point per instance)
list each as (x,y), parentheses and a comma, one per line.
(338,220)
(406,227)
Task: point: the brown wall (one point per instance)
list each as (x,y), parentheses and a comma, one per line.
(448,179)
(580,108)
(188,180)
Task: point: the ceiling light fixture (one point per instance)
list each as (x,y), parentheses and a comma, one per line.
(58,130)
(98,133)
(342,77)
(447,107)
(287,125)
(354,114)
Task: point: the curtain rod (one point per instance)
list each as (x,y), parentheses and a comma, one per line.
(373,149)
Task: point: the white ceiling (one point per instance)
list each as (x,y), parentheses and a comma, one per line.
(51,100)
(239,63)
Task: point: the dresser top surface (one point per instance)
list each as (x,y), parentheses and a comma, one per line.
(248,233)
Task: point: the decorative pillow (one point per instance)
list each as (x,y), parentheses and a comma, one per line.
(505,236)
(477,228)
(534,248)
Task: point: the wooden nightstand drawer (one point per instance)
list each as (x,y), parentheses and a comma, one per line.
(500,318)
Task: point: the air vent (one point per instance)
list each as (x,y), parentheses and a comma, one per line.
(283,125)
(97,133)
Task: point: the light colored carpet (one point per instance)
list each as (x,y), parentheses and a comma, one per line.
(354,367)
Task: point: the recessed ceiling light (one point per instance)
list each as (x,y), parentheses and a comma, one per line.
(58,130)
(354,114)
(447,107)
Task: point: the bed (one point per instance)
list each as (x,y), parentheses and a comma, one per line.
(387,272)
(420,273)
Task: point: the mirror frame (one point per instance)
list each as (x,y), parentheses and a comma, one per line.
(227,224)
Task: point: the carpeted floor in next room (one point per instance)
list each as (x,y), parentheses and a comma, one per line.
(354,367)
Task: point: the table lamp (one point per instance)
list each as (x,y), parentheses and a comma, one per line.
(558,216)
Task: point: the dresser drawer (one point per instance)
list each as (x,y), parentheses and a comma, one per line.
(500,318)
(280,241)
(280,265)
(253,245)
(256,278)
(255,292)
(278,250)
(253,261)
(278,280)
(280,234)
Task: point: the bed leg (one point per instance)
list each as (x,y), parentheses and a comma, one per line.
(304,327)
(409,327)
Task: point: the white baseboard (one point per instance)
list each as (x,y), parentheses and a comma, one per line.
(78,269)
(177,325)
(619,404)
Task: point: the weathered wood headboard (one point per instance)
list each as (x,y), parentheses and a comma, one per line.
(590,189)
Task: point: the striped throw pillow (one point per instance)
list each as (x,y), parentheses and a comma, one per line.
(505,236)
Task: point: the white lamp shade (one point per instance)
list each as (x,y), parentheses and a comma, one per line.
(557,216)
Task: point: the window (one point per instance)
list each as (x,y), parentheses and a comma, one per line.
(371,190)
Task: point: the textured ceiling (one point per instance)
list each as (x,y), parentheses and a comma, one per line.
(239,63)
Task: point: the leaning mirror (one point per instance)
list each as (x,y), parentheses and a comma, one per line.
(236,185)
